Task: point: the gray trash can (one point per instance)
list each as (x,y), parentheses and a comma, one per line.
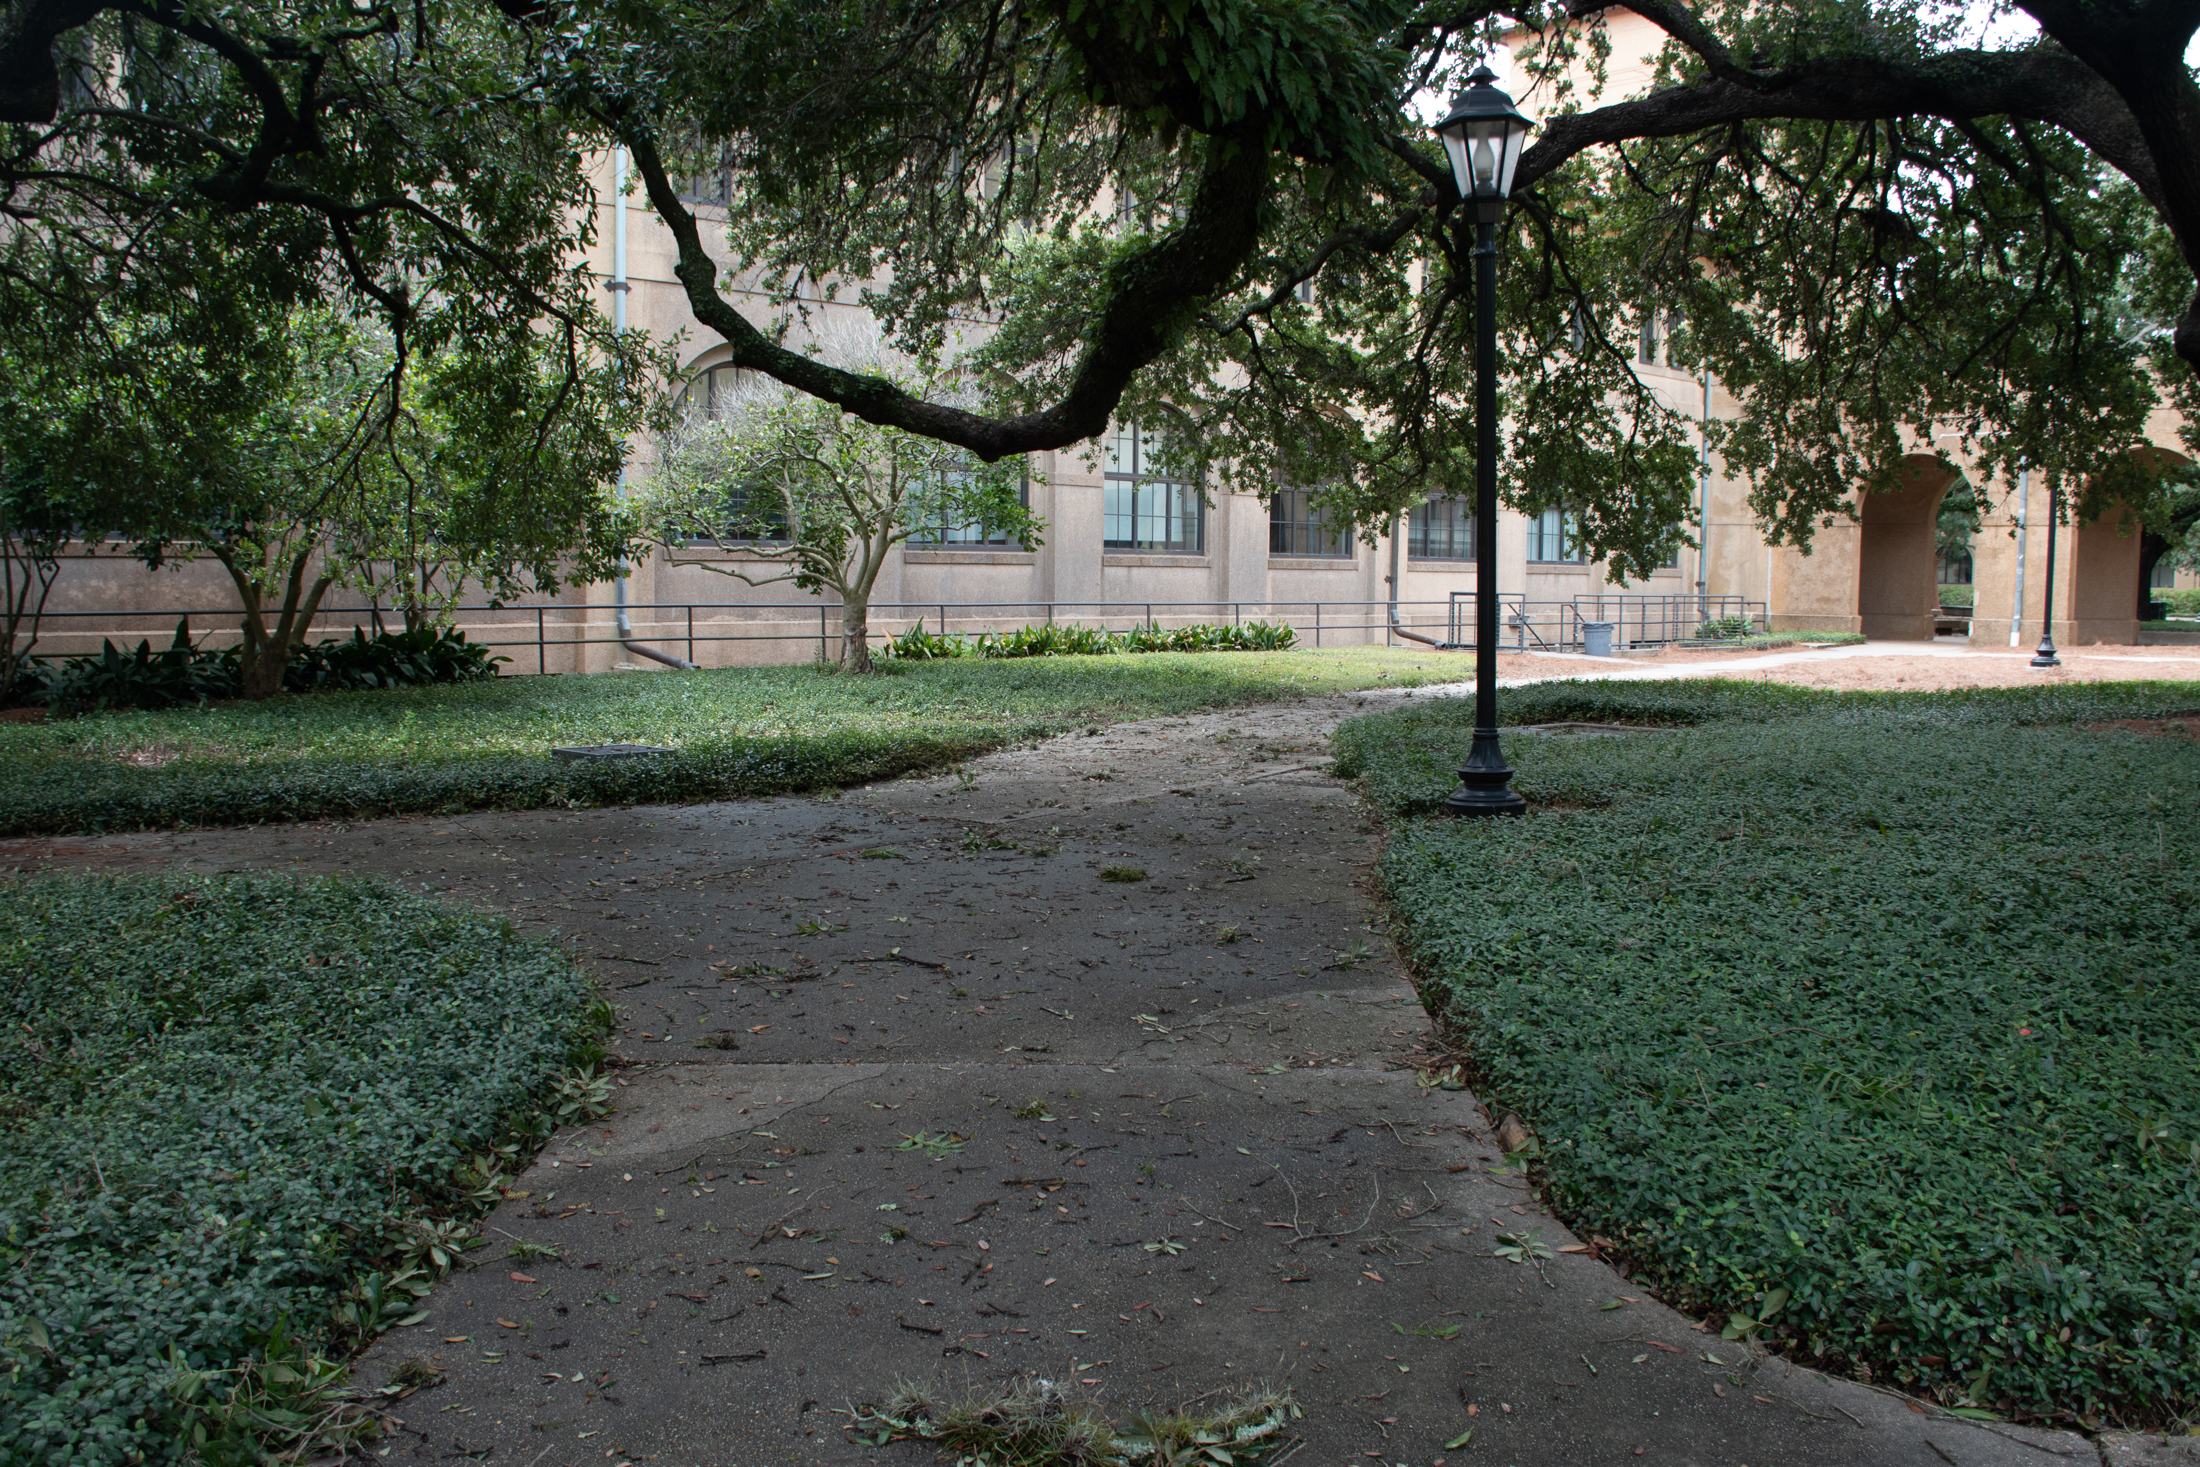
(1596,638)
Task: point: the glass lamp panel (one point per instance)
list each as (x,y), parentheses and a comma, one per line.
(1455,144)
(1516,134)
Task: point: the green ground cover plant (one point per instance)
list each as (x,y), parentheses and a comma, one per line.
(246,1123)
(1862,1023)
(1062,640)
(732,733)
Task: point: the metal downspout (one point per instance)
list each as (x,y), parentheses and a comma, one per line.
(1397,630)
(619,289)
(1703,504)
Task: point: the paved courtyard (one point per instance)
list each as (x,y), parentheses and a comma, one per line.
(1089,1061)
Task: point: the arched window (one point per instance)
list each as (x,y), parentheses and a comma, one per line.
(706,404)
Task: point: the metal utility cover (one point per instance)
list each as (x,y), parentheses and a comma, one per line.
(609,751)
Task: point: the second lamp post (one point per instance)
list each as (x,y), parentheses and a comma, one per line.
(1483,134)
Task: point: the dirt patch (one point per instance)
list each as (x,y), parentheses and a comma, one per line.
(22,715)
(2184,726)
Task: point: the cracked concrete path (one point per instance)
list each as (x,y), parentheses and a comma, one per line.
(911,1089)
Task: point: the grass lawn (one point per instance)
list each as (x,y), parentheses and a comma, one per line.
(1864,1020)
(233,1108)
(737,732)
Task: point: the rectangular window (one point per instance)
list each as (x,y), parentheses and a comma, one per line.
(1551,538)
(1441,529)
(1298,526)
(943,533)
(1143,507)
(2164,576)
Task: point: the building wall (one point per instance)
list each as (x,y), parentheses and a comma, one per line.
(1859,574)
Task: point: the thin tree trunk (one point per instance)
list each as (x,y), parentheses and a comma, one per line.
(855,633)
(29,577)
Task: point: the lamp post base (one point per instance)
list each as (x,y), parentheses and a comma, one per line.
(2044,654)
(1485,782)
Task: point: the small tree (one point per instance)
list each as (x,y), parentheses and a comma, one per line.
(410,476)
(808,494)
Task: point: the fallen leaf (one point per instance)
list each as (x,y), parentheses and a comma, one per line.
(520,1278)
(456,1339)
(1460,1440)
(1573,1248)
(1668,1349)
(509,1323)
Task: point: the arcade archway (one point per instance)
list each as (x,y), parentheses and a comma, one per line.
(1897,585)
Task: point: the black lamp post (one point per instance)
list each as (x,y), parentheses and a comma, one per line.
(1483,135)
(2044,655)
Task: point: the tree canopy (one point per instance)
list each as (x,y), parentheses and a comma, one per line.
(1869,223)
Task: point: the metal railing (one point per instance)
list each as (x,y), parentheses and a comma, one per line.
(541,634)
(1636,619)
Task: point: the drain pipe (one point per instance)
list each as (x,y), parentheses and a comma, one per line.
(619,289)
(1397,629)
(1703,503)
(2024,526)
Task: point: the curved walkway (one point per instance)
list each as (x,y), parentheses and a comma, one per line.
(913,1087)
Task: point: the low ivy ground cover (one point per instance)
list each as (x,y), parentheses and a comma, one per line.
(735,732)
(220,1095)
(1863,1022)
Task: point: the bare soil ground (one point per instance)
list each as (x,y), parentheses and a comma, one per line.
(1904,666)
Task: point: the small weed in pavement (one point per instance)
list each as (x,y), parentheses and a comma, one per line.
(1035,1423)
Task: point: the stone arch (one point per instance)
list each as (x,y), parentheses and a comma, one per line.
(1897,590)
(2101,604)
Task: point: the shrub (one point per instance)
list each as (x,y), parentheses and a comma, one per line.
(178,674)
(1726,628)
(182,674)
(1069,640)
(231,1104)
(408,659)
(919,645)
(2181,600)
(1965,596)
(1861,1022)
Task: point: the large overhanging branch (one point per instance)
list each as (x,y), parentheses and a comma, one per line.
(1151,294)
(2040,85)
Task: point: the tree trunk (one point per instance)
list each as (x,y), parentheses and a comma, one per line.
(855,635)
(266,653)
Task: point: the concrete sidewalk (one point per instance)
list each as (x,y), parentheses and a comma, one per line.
(911,1091)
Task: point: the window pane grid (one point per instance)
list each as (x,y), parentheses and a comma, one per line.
(943,533)
(1141,509)
(1551,538)
(1441,529)
(1298,526)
